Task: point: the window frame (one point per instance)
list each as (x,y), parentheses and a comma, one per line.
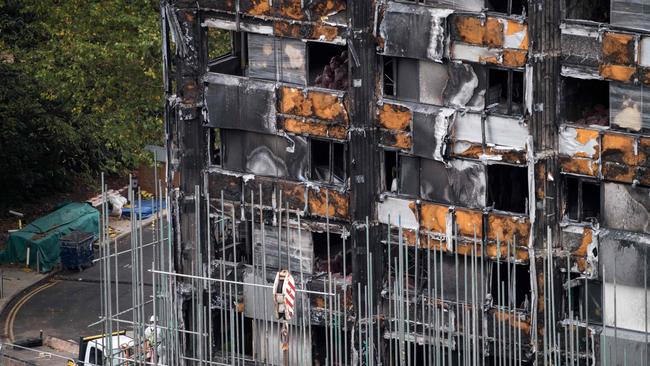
(494,108)
(579,199)
(331,164)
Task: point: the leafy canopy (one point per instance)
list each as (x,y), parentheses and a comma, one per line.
(80,90)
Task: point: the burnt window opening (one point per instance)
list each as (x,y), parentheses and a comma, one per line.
(594,10)
(401,78)
(328,161)
(226,51)
(506,91)
(390,171)
(401,173)
(582,199)
(389,76)
(337,259)
(586,102)
(222,330)
(238,239)
(328,65)
(511,7)
(507,188)
(510,285)
(586,299)
(215,147)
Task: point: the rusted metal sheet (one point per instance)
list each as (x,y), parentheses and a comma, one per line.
(475,151)
(618,48)
(469,222)
(490,40)
(255,7)
(338,203)
(397,139)
(515,58)
(494,35)
(579,166)
(312,128)
(617,72)
(620,148)
(433,217)
(579,142)
(517,254)
(320,32)
(512,229)
(311,103)
(472,29)
(394,117)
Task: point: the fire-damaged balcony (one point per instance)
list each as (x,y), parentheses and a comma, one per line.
(476,38)
(323,20)
(613,63)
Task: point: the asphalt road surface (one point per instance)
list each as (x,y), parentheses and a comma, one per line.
(66,306)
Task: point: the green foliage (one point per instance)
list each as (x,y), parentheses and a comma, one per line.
(80,90)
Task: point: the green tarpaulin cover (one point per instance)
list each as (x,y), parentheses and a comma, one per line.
(42,235)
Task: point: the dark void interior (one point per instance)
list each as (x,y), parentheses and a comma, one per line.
(506,91)
(390,171)
(507,188)
(328,65)
(225,54)
(335,262)
(515,7)
(586,101)
(510,290)
(582,199)
(389,75)
(327,161)
(594,10)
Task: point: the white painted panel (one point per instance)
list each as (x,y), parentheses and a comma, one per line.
(506,131)
(630,306)
(461,51)
(393,210)
(468,127)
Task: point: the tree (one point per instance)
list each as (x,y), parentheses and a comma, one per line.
(80,90)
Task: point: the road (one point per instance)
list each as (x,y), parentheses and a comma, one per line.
(71,301)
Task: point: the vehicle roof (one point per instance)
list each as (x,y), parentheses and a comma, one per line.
(117,341)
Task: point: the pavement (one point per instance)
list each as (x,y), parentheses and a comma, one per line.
(65,304)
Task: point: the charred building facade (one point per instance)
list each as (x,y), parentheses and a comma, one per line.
(449,182)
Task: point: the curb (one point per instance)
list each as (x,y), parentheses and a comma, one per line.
(146,221)
(20,294)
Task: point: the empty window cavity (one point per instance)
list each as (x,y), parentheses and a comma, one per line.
(330,255)
(508,188)
(514,7)
(506,91)
(586,102)
(582,199)
(593,10)
(510,285)
(226,51)
(327,161)
(401,173)
(328,65)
